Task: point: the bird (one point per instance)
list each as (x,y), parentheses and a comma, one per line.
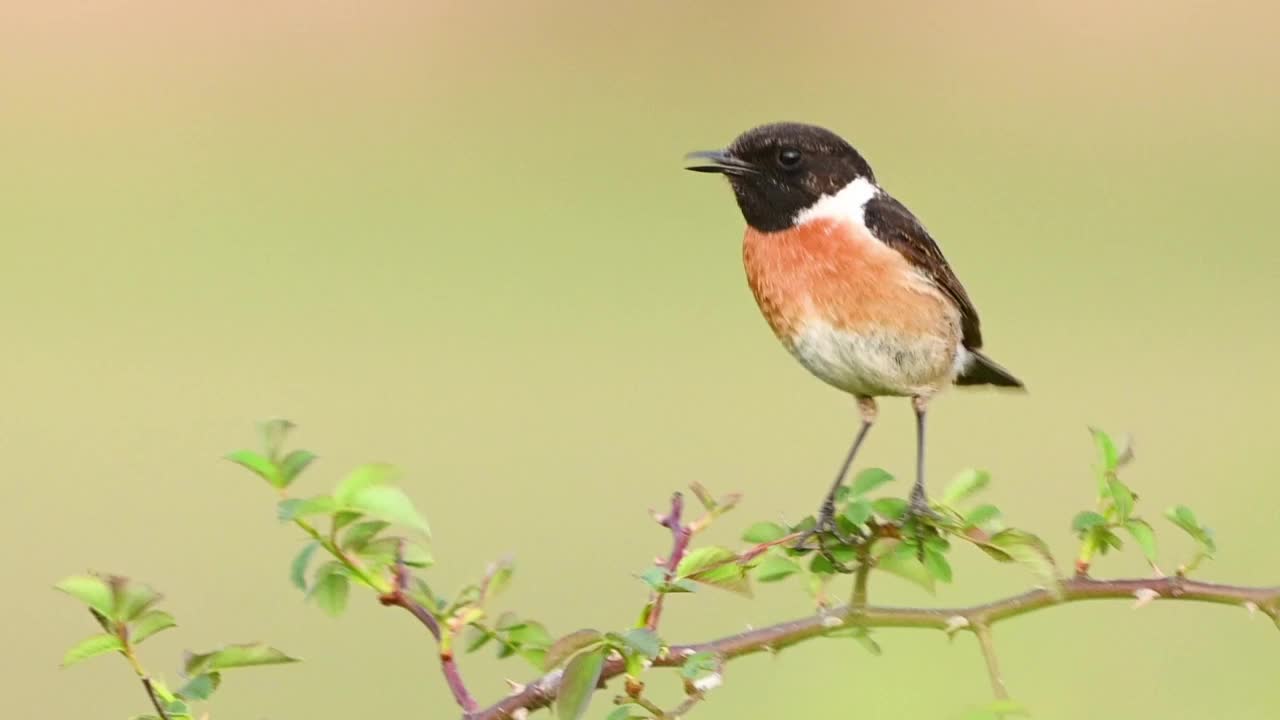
(850,282)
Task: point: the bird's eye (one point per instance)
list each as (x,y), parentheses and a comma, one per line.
(789,158)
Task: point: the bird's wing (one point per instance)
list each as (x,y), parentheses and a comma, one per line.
(895,226)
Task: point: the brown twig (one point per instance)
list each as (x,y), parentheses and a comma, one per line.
(398,597)
(983,632)
(155,699)
(680,536)
(542,691)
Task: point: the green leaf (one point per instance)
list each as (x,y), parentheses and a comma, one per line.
(578,683)
(869,479)
(235,656)
(383,552)
(361,533)
(534,656)
(1144,535)
(890,508)
(966,484)
(293,464)
(858,512)
(901,560)
(258,465)
(866,641)
(860,634)
(1104,539)
(1030,551)
(820,565)
(981,515)
(389,503)
(775,568)
(162,690)
(567,646)
(764,532)
(1182,516)
(343,518)
(298,568)
(90,590)
(91,647)
(1121,496)
(149,623)
(530,633)
(131,599)
(937,565)
(331,588)
(361,479)
(178,710)
(1086,519)
(201,686)
(299,508)
(1108,456)
(475,638)
(499,576)
(715,566)
(654,577)
(643,641)
(273,434)
(698,665)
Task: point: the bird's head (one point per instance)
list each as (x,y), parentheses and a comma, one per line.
(780,170)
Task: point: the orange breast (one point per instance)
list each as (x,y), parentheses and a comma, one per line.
(837,273)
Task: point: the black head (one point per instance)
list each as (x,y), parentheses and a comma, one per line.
(781,169)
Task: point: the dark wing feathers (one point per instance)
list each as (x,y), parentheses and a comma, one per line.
(895,226)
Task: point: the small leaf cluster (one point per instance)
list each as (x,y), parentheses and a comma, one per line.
(1115,513)
(511,634)
(127,614)
(878,533)
(583,654)
(374,537)
(350,524)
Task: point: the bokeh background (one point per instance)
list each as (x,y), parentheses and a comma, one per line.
(456,237)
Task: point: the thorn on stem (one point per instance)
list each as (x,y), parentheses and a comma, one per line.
(1144,597)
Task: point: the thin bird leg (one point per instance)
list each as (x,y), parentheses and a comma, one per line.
(919,500)
(826,517)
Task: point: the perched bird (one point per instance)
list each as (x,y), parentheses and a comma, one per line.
(849,280)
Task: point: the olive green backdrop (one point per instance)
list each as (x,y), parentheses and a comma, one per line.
(456,237)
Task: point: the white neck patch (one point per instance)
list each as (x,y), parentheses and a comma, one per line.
(849,204)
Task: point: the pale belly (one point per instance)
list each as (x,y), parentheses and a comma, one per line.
(877,362)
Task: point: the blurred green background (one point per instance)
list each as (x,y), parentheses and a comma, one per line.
(456,237)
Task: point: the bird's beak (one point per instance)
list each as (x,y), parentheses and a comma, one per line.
(719,161)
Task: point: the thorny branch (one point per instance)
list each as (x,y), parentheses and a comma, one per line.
(399,597)
(680,537)
(976,618)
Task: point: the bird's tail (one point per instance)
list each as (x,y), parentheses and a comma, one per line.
(982,370)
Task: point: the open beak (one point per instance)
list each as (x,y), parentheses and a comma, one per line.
(719,161)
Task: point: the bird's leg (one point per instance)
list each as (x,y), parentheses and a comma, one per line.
(919,506)
(827,515)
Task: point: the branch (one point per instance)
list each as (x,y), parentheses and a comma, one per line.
(680,536)
(448,666)
(541,692)
(155,699)
(983,632)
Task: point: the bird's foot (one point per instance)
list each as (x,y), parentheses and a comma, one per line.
(826,525)
(919,509)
